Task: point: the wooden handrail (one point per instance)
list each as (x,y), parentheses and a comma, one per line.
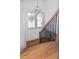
(50,19)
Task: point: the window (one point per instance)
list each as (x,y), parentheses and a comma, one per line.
(39,20)
(31,20)
(35,20)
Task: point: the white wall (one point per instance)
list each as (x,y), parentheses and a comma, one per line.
(28,34)
(29,6)
(57,27)
(48,7)
(22,28)
(51,7)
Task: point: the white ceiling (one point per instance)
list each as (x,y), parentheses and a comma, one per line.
(32,0)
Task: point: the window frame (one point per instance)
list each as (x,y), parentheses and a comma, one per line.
(36,20)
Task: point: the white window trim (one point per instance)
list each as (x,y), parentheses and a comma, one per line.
(36,22)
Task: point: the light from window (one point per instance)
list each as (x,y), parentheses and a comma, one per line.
(39,20)
(31,20)
(35,20)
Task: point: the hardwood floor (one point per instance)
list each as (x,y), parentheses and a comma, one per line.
(33,43)
(48,50)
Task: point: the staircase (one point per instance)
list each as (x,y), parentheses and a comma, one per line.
(49,31)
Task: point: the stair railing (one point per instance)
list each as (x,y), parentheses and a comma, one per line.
(49,30)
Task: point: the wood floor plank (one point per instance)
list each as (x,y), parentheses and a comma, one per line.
(47,50)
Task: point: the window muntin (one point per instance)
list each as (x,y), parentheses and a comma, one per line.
(35,20)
